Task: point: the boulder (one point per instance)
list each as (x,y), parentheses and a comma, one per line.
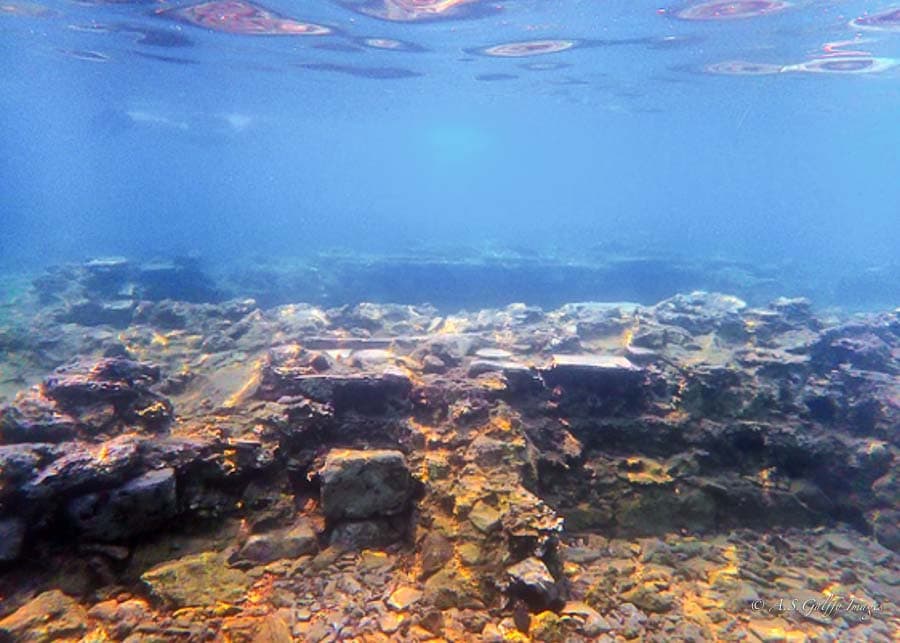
(198,580)
(299,540)
(140,505)
(532,581)
(51,616)
(34,418)
(364,484)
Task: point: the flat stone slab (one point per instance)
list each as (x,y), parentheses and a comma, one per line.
(482,366)
(590,362)
(493,353)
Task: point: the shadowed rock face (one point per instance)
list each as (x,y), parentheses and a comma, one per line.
(513,468)
(140,505)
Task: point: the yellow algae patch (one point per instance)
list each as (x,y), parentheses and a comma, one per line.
(157,408)
(728,573)
(834,589)
(98,635)
(450,326)
(228,461)
(646,471)
(492,382)
(159,340)
(775,630)
(875,445)
(694,611)
(765,477)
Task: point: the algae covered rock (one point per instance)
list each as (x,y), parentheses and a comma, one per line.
(363,484)
(50,616)
(199,580)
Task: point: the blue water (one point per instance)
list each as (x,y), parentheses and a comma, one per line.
(126,132)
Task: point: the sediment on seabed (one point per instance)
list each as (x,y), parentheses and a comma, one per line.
(693,470)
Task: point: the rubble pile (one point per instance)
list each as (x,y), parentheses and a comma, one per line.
(599,472)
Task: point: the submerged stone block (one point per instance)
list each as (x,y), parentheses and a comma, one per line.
(138,506)
(364,484)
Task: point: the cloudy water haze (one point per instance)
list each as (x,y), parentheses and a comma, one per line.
(764,132)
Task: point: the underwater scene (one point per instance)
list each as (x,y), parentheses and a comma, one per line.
(449,320)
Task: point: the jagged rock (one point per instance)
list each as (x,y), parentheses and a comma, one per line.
(140,505)
(299,540)
(649,598)
(887,531)
(51,616)
(198,580)
(485,518)
(858,347)
(700,312)
(436,551)
(12,537)
(293,372)
(433,364)
(797,309)
(448,588)
(20,462)
(80,469)
(532,581)
(592,623)
(34,418)
(121,619)
(362,484)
